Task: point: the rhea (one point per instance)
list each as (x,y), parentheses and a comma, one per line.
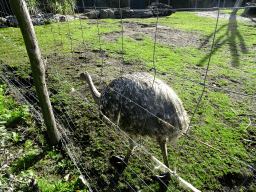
(142,105)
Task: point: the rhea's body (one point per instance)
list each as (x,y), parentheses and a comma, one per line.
(137,101)
(141,104)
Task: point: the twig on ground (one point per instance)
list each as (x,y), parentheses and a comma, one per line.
(248,125)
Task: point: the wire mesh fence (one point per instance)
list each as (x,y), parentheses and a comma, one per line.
(208,58)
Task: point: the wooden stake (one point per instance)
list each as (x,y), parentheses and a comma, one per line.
(38,72)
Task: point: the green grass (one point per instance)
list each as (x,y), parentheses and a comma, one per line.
(221,118)
(24,162)
(58,185)
(239,12)
(28,161)
(11,112)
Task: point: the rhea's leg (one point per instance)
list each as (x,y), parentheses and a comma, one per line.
(121,163)
(162,142)
(129,150)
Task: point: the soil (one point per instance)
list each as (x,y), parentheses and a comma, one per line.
(165,35)
(224,16)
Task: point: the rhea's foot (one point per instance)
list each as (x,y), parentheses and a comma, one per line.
(163,180)
(165,177)
(118,163)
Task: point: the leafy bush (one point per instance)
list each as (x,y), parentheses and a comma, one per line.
(53,6)
(32,6)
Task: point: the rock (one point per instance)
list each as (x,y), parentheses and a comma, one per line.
(133,13)
(103,13)
(63,19)
(111,14)
(37,19)
(83,17)
(107,13)
(48,16)
(11,21)
(59,18)
(154,6)
(3,22)
(93,14)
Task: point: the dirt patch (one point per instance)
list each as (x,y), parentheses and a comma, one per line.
(102,67)
(223,16)
(232,180)
(165,35)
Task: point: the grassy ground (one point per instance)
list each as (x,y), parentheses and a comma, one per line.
(223,119)
(26,153)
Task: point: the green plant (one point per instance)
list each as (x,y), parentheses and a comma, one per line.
(54,153)
(23,162)
(32,6)
(62,6)
(60,186)
(48,21)
(10,112)
(15,137)
(27,145)
(63,164)
(41,138)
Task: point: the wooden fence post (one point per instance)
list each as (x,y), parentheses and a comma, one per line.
(21,12)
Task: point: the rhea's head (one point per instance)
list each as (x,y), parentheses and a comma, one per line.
(84,76)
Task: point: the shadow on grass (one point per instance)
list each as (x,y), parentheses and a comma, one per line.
(253,20)
(229,37)
(236,181)
(25,162)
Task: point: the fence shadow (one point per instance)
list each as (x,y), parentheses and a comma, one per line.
(229,37)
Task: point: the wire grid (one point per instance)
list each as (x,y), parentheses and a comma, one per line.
(101,53)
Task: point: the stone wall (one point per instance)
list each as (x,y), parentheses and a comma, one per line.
(142,4)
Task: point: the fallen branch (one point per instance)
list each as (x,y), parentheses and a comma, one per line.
(249,124)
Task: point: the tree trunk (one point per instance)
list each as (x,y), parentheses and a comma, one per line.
(21,12)
(237,4)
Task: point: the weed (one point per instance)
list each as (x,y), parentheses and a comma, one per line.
(54,153)
(23,162)
(32,6)
(15,137)
(27,145)
(73,184)
(48,21)
(10,112)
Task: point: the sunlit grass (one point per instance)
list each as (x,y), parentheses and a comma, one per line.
(239,12)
